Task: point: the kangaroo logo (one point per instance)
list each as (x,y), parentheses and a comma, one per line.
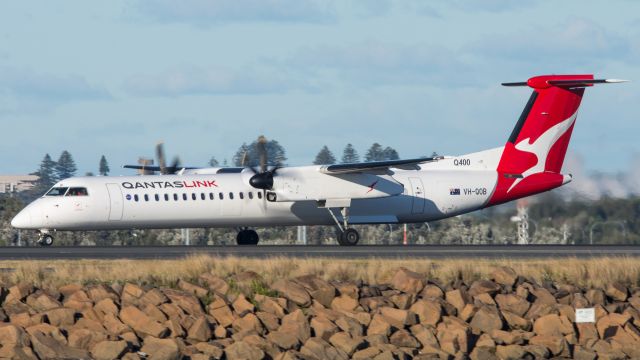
(541,147)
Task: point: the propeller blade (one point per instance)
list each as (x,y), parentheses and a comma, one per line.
(245,159)
(175,166)
(161,158)
(262,152)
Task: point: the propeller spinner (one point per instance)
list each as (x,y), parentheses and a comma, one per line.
(262,179)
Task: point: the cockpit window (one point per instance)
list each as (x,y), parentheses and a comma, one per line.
(57,191)
(77,191)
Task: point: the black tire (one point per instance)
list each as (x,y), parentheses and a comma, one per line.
(252,237)
(349,237)
(339,235)
(47,240)
(241,239)
(247,237)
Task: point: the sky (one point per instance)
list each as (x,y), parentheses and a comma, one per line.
(115,77)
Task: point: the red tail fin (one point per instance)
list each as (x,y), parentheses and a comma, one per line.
(533,156)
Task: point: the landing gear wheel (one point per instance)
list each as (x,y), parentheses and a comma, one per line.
(247,237)
(46,240)
(349,237)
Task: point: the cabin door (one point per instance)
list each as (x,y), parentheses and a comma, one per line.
(115,198)
(417,193)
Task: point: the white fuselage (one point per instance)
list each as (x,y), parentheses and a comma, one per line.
(395,191)
(444,188)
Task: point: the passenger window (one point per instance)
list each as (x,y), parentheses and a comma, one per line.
(57,191)
(241,195)
(184,197)
(146,197)
(230,196)
(166,197)
(77,191)
(175,197)
(211,196)
(259,195)
(135,197)
(221,196)
(250,195)
(193,196)
(203,196)
(157,197)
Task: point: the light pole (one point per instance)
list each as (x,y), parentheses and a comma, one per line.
(302,235)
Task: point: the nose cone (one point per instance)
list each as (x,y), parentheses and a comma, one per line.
(22,220)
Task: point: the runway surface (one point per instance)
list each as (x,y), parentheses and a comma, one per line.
(310,251)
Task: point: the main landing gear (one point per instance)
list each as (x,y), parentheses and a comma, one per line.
(45,239)
(247,237)
(346,236)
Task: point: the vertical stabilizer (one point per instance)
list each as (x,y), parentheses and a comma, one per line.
(532,158)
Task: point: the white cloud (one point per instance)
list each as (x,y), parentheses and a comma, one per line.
(437,9)
(317,68)
(494,6)
(370,8)
(24,91)
(575,42)
(212,81)
(29,84)
(207,12)
(378,63)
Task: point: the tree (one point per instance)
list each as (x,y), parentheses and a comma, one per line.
(390,153)
(375,153)
(213,162)
(324,157)
(46,174)
(350,155)
(65,167)
(277,154)
(103,168)
(241,158)
(247,155)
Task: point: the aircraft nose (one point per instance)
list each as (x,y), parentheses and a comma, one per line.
(22,220)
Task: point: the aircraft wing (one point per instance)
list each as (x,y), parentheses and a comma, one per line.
(198,170)
(377,167)
(155,168)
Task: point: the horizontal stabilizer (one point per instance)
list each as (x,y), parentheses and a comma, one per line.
(573,81)
(520,83)
(377,166)
(584,82)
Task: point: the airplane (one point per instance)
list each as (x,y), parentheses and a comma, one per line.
(383,192)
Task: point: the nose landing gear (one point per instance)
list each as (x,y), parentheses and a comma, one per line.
(45,239)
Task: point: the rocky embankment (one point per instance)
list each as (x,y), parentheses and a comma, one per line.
(505,317)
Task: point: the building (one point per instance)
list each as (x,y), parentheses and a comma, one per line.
(16,183)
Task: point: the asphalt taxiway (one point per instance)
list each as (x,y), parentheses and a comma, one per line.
(315,251)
